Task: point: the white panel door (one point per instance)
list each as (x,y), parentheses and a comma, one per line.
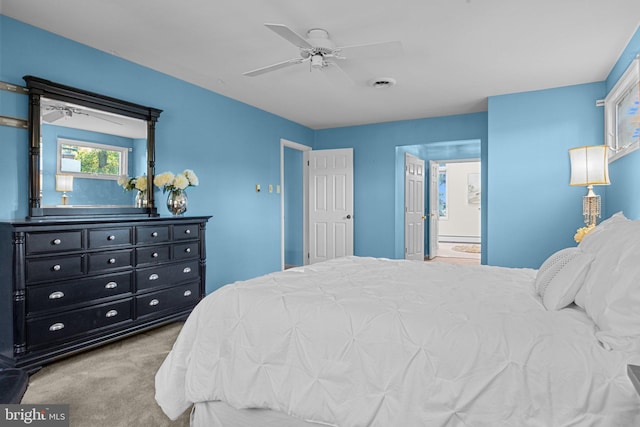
(434,214)
(330,180)
(413,207)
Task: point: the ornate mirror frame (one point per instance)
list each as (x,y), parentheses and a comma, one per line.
(39,88)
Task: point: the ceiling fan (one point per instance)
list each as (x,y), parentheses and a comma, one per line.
(57,112)
(320,52)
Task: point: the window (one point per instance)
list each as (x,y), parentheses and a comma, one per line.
(622,113)
(89,160)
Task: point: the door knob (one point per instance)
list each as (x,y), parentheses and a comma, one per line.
(424,217)
(348,216)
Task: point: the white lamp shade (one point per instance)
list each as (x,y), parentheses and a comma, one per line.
(64,182)
(589,165)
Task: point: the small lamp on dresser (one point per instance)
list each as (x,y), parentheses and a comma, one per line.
(64,184)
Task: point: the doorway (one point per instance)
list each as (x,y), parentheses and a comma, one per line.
(316,204)
(456,202)
(292,204)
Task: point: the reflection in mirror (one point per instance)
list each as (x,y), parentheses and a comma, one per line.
(79,144)
(94,148)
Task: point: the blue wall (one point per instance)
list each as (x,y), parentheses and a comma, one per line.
(375,231)
(198,130)
(529,210)
(293,212)
(624,173)
(532,210)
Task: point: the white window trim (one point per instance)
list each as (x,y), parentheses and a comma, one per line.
(627,82)
(124,159)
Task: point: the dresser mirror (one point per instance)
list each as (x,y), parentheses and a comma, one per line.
(80,145)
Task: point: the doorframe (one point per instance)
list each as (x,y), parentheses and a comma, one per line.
(465,160)
(300,147)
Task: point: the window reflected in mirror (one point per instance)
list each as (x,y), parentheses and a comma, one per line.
(94,161)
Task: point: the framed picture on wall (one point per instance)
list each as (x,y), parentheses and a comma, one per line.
(622,113)
(473,188)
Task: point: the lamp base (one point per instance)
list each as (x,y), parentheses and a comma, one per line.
(591,207)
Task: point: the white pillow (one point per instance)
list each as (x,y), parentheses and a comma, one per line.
(611,291)
(595,240)
(561,276)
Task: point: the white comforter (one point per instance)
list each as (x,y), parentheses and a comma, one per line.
(376,342)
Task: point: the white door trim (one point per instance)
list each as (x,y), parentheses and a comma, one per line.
(296,146)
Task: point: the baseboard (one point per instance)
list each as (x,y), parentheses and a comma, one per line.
(458,239)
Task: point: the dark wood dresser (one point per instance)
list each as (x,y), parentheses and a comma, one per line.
(71,284)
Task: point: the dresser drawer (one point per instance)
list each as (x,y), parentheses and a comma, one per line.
(108,237)
(54,268)
(152,255)
(157,302)
(54,241)
(186,250)
(110,260)
(164,275)
(64,294)
(152,234)
(187,231)
(65,325)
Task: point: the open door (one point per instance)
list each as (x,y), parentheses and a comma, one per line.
(330,181)
(413,207)
(434,215)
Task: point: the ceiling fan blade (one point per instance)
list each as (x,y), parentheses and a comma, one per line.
(289,35)
(371,50)
(53,116)
(104,117)
(336,74)
(273,67)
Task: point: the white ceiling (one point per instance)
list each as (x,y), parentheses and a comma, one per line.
(456,53)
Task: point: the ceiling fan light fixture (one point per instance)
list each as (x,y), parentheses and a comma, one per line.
(317,61)
(382,83)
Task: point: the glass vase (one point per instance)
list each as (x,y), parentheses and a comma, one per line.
(141,200)
(177,202)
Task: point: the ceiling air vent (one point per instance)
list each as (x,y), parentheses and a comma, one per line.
(382,83)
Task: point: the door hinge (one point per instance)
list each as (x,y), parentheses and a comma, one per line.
(308,255)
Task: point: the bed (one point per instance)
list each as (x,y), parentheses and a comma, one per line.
(360,341)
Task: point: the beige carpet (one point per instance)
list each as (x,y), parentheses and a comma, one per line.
(109,386)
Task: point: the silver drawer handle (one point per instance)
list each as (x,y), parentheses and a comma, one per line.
(187,231)
(56,295)
(57,241)
(111,237)
(111,313)
(112,261)
(187,293)
(56,327)
(154,302)
(187,270)
(188,250)
(154,255)
(154,276)
(154,234)
(56,267)
(111,285)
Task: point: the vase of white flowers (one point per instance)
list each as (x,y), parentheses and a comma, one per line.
(175,185)
(136,183)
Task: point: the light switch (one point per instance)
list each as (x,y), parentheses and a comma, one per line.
(278,188)
(270,188)
(257,188)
